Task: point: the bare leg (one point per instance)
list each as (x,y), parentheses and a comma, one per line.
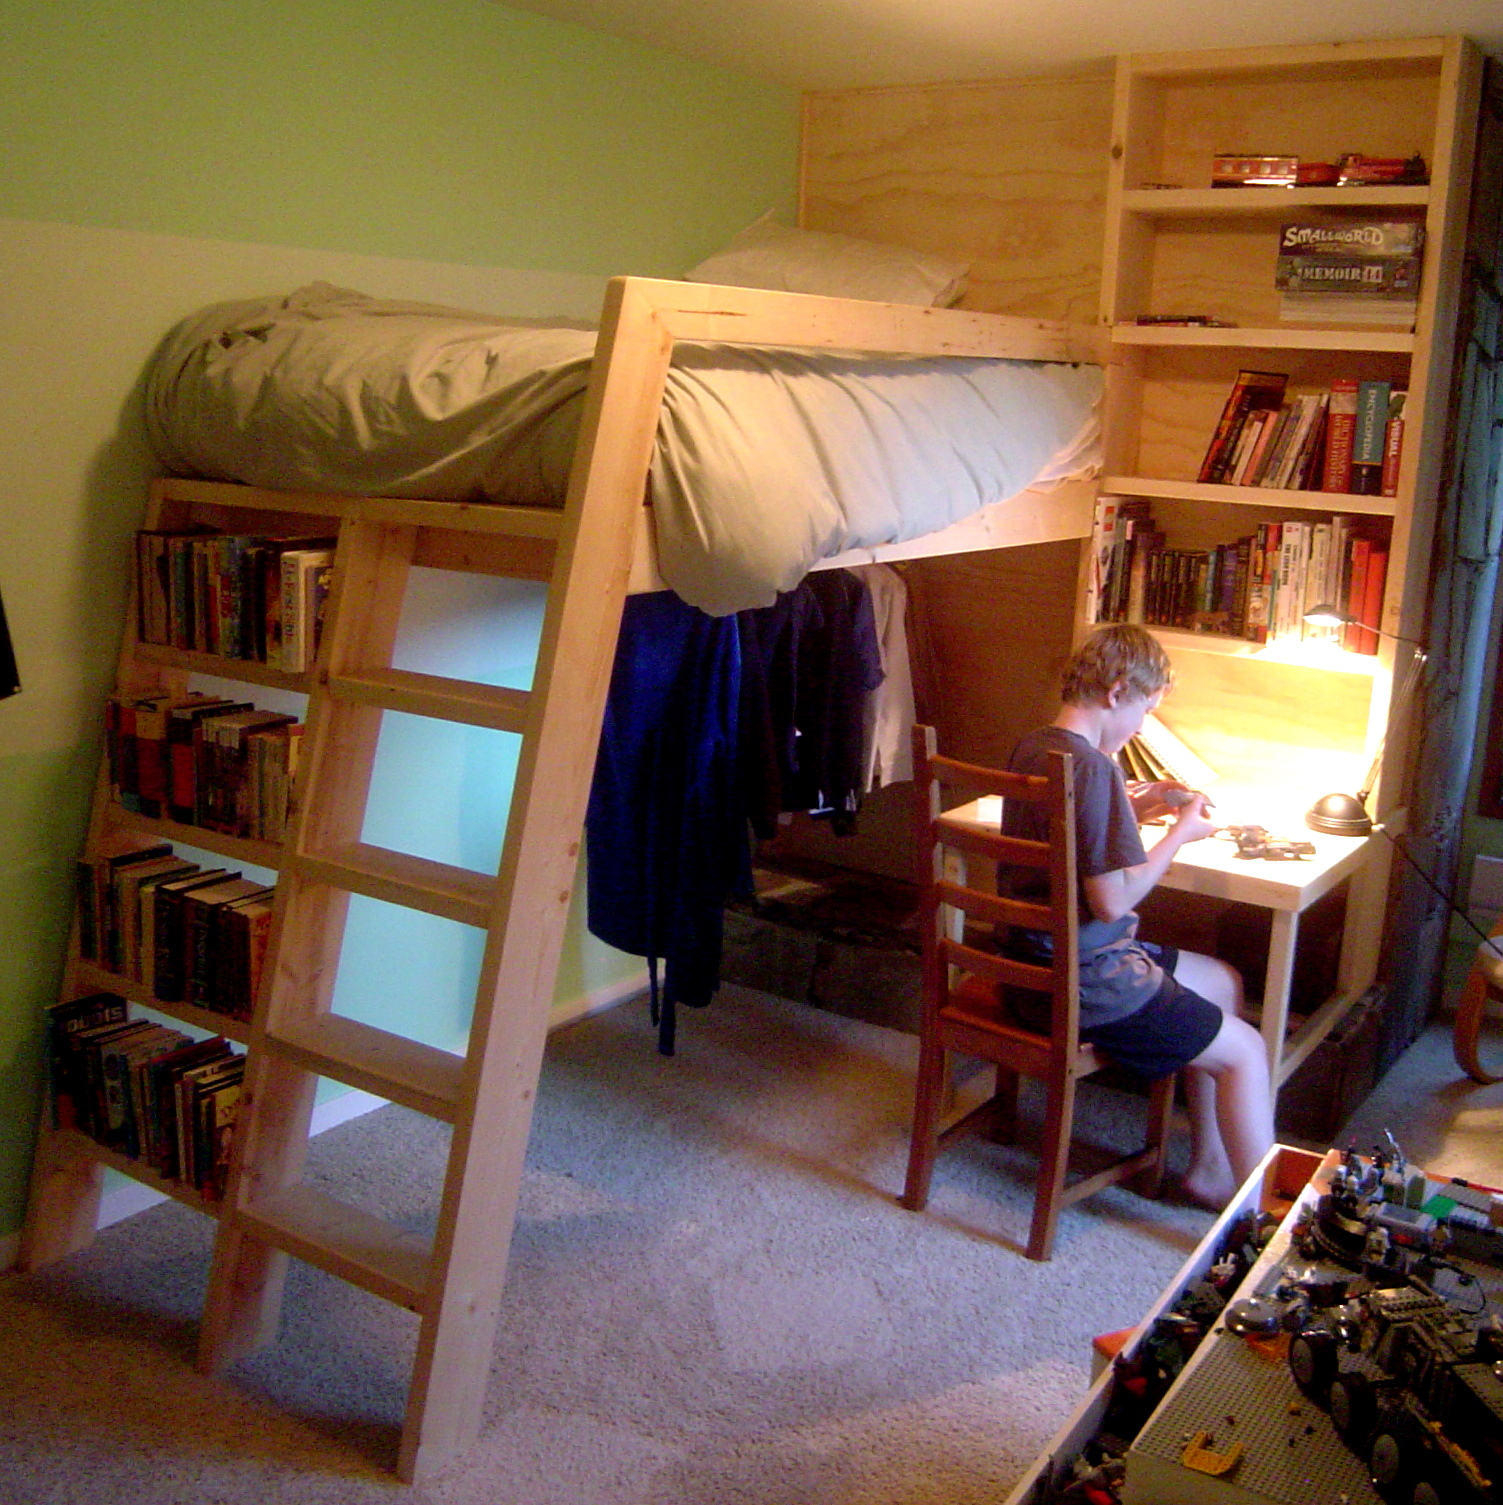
(1226,1089)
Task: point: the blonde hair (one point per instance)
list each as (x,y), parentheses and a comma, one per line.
(1122,654)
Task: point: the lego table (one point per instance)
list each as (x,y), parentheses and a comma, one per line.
(1230,1389)
(1286,889)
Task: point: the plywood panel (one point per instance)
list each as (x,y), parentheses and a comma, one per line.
(1009,176)
(991,635)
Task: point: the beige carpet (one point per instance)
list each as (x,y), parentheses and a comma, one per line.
(713,1297)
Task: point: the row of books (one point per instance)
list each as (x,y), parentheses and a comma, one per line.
(1349,439)
(1259,586)
(189,934)
(146,1090)
(204,760)
(240,596)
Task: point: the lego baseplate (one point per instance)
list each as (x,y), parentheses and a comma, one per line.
(1237,1401)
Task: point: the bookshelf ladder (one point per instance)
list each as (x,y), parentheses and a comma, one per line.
(454,1280)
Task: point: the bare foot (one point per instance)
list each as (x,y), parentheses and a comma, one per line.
(1206,1188)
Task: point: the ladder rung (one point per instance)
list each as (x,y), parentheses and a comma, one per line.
(453,893)
(431,695)
(356,1246)
(418,1076)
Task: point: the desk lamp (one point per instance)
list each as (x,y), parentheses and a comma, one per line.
(1341,814)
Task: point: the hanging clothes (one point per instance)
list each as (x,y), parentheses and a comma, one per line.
(888,730)
(817,652)
(666,838)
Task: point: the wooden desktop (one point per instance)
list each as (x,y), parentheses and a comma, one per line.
(1286,889)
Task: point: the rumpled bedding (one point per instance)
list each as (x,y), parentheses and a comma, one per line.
(766,461)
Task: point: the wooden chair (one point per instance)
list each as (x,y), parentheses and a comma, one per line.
(961,1008)
(1484,984)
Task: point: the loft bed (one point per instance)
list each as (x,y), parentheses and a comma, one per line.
(787,432)
(588,550)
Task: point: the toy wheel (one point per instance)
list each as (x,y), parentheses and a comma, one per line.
(1312,1360)
(1352,1407)
(1387,1462)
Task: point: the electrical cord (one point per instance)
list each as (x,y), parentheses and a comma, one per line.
(1449,900)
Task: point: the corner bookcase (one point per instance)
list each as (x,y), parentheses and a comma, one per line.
(1176,245)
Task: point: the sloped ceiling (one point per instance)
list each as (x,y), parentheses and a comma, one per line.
(823,44)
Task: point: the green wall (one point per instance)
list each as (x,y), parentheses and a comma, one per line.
(453,130)
(164,154)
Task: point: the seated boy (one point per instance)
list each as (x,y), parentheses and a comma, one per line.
(1153,1009)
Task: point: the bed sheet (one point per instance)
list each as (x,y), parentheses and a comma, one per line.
(766,460)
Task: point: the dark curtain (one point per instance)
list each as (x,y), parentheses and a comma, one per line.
(1464,567)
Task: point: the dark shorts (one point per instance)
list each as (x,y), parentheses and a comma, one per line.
(1168,1032)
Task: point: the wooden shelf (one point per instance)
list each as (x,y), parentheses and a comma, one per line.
(1250,496)
(1187,336)
(70,1143)
(1325,657)
(236,848)
(102,980)
(1267,203)
(249,671)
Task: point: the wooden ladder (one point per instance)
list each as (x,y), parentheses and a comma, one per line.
(453,1281)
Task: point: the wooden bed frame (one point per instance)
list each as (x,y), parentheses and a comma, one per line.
(592,552)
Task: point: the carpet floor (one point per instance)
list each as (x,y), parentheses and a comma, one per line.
(713,1297)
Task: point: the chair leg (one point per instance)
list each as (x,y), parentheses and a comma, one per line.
(1160,1114)
(1053,1161)
(929,1092)
(1004,1125)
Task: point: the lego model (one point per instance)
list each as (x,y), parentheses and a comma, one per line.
(1414,1388)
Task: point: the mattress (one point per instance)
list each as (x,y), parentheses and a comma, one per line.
(766,460)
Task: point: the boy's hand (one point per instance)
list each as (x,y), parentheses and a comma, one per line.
(1192,823)
(1155,801)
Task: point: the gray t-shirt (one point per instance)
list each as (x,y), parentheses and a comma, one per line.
(1117,976)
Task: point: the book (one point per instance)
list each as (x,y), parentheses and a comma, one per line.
(200,905)
(300,575)
(163,1073)
(1098,565)
(230,802)
(192,1086)
(133,885)
(170,972)
(106,897)
(1372,598)
(1341,427)
(1251,389)
(118,1061)
(64,1020)
(1356,594)
(183,719)
(1393,444)
(1369,437)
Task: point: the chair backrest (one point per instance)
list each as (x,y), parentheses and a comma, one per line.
(949,833)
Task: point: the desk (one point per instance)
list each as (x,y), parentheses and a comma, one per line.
(1286,889)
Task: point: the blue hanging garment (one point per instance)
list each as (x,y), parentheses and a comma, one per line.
(666,838)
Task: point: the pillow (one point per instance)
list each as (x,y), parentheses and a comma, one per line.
(767,254)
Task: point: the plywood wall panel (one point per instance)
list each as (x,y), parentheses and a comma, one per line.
(1009,176)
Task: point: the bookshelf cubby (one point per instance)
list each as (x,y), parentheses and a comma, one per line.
(1177,246)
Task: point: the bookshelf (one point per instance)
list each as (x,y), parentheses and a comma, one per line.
(1175,245)
(293,1037)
